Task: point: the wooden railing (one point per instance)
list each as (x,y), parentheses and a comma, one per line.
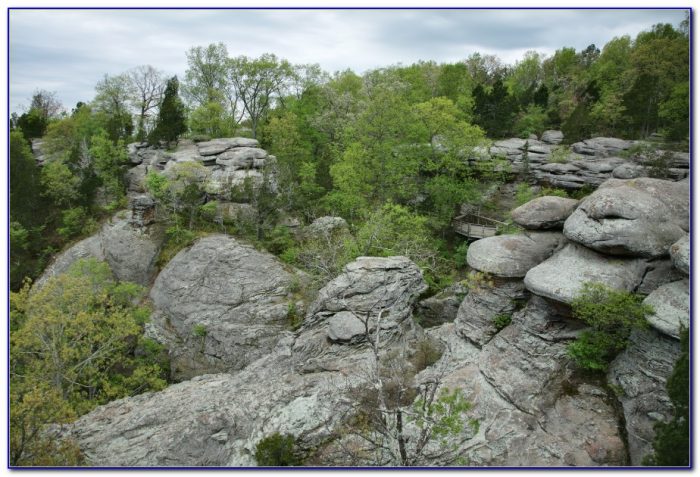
(476,226)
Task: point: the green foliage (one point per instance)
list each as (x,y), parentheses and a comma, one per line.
(109,161)
(211,120)
(672,441)
(199,330)
(293,316)
(446,416)
(611,314)
(276,450)
(559,155)
(74,222)
(500,321)
(171,116)
(531,121)
(72,348)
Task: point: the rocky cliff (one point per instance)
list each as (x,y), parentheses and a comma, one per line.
(222,310)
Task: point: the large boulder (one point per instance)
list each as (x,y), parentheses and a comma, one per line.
(325,225)
(552,137)
(221,305)
(671,303)
(378,291)
(562,276)
(548,212)
(512,256)
(641,217)
(242,157)
(442,307)
(475,317)
(638,375)
(130,249)
(680,254)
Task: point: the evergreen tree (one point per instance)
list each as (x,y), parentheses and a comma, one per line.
(171,118)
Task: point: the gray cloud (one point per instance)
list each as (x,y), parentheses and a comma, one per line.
(68,51)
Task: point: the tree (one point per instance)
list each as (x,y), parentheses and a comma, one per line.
(73,347)
(180,192)
(211,120)
(46,103)
(147,85)
(611,314)
(206,78)
(114,93)
(259,83)
(171,116)
(276,450)
(109,161)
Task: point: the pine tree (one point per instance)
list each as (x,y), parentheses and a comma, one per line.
(171,119)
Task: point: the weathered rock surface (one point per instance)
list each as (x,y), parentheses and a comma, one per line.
(474,320)
(441,308)
(601,146)
(641,217)
(325,225)
(222,303)
(241,157)
(130,250)
(219,145)
(375,289)
(639,375)
(562,276)
(671,303)
(660,271)
(548,212)
(512,256)
(552,137)
(680,254)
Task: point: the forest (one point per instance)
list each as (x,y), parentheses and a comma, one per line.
(386,150)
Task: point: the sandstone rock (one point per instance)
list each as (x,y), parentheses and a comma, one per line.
(225,302)
(377,289)
(552,137)
(562,276)
(600,166)
(217,146)
(131,250)
(601,146)
(90,247)
(641,217)
(220,182)
(241,157)
(629,171)
(559,168)
(346,326)
(512,255)
(548,212)
(671,303)
(136,179)
(474,320)
(143,210)
(639,375)
(325,225)
(660,271)
(680,254)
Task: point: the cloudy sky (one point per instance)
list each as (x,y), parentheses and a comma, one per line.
(68,51)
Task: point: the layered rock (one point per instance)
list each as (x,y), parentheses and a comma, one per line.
(441,308)
(377,291)
(220,306)
(512,256)
(548,212)
(601,146)
(562,276)
(552,137)
(639,376)
(641,217)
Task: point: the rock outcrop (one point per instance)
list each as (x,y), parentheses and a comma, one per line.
(129,248)
(641,217)
(671,303)
(220,305)
(562,276)
(511,256)
(548,212)
(639,376)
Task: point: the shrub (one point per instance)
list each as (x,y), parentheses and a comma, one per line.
(501,321)
(276,450)
(611,314)
(559,155)
(199,330)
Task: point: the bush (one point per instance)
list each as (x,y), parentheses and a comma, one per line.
(501,321)
(612,314)
(276,450)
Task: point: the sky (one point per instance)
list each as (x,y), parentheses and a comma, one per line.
(69,51)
